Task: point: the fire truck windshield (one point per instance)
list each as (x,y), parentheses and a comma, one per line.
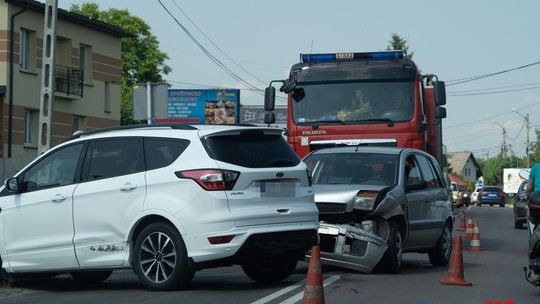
(355,102)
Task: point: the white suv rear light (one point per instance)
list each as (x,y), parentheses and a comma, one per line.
(211,179)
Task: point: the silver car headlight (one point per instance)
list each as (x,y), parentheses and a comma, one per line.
(364,200)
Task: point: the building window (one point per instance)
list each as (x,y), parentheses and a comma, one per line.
(24,53)
(29,132)
(85,62)
(27,51)
(107,98)
(79,123)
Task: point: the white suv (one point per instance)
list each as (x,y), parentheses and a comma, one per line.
(163,200)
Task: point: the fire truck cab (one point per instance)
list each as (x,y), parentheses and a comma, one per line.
(373,98)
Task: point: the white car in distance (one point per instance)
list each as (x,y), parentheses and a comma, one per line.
(474,195)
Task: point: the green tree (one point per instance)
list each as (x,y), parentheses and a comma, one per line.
(535,149)
(493,168)
(397,42)
(142,60)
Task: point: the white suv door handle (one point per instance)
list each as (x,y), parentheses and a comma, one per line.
(58,198)
(128,187)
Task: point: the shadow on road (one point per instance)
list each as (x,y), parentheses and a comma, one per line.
(126,280)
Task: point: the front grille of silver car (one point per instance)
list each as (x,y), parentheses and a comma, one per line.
(331,208)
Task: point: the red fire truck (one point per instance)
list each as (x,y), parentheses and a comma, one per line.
(373,98)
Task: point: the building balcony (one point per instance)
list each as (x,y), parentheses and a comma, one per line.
(69,81)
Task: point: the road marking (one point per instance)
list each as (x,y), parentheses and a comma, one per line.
(297,297)
(279,293)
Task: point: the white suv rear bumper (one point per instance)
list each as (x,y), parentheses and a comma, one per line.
(200,249)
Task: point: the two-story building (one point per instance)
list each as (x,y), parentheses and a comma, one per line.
(87,75)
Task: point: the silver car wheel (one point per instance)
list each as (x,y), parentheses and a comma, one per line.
(447,242)
(157,257)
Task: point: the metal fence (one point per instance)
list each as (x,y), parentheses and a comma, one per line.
(69,80)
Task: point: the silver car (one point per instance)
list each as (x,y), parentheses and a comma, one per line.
(375,203)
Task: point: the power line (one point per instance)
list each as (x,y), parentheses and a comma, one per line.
(477,77)
(249,62)
(214,59)
(495,88)
(475,137)
(216,46)
(461,136)
(207,53)
(489,117)
(493,92)
(520,129)
(204,85)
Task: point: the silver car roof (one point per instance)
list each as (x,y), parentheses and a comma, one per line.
(361,149)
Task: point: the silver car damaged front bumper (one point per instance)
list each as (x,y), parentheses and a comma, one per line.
(350,247)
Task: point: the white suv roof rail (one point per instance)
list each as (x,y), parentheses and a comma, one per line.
(79,133)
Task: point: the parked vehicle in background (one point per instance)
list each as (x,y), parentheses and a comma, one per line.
(521,208)
(458,198)
(491,195)
(164,200)
(374,203)
(456,195)
(465,198)
(474,195)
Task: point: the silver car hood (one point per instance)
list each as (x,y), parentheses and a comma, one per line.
(343,194)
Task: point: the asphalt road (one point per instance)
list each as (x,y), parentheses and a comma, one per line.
(496,274)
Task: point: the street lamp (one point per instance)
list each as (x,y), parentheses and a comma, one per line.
(503,145)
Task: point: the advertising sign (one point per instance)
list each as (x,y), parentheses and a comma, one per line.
(211,107)
(512,179)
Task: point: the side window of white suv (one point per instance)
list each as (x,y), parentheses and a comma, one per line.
(57,169)
(116,157)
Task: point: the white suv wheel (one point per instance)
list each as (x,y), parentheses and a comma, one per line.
(157,257)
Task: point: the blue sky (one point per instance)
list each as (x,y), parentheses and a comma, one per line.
(453,39)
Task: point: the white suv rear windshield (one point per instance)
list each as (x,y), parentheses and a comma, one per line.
(251,149)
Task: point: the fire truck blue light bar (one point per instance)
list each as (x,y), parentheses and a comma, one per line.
(383,55)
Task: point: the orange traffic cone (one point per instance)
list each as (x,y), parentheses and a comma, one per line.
(455,271)
(314,292)
(461,226)
(470,227)
(475,241)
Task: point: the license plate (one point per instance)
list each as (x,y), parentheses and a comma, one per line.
(277,189)
(492,195)
(329,230)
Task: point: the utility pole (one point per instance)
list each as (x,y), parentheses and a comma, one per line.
(46,101)
(503,147)
(527,142)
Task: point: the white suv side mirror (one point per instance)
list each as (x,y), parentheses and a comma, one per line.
(13,185)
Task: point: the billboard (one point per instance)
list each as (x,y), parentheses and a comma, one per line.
(208,106)
(250,114)
(512,180)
